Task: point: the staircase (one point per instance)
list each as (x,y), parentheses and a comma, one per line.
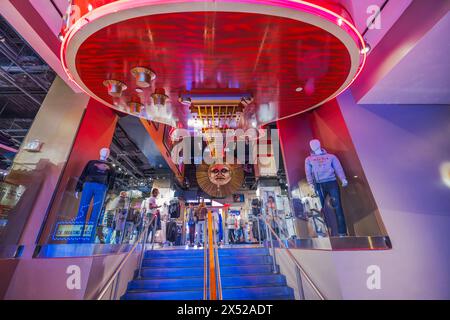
(246,273)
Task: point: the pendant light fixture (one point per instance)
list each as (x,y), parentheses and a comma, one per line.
(115,87)
(135,107)
(143,76)
(159,97)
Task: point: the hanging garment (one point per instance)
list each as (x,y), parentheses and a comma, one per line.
(174,209)
(220,227)
(178,241)
(171,234)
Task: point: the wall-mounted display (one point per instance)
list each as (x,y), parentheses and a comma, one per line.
(220,180)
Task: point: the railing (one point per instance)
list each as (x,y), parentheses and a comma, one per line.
(300,271)
(115,277)
(216,255)
(212,288)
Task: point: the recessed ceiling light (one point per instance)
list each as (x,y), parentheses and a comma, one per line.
(90,7)
(299,89)
(139,90)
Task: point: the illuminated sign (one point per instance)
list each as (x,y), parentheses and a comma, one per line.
(73,231)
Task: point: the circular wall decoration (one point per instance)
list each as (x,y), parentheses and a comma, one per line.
(220,179)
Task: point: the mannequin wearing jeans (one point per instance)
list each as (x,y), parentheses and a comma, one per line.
(191,223)
(321,169)
(201,215)
(96,178)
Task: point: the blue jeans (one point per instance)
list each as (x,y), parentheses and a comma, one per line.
(200,229)
(96,191)
(331,188)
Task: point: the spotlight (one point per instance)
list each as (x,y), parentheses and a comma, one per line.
(143,76)
(115,87)
(339,22)
(135,107)
(159,97)
(90,7)
(366,48)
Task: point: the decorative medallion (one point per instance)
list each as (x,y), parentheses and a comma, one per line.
(220,179)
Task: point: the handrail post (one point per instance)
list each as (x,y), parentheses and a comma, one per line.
(259,229)
(116,285)
(274,260)
(212,273)
(298,273)
(144,241)
(297,264)
(155,221)
(205,264)
(117,271)
(216,259)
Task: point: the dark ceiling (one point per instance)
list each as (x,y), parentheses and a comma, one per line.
(24,82)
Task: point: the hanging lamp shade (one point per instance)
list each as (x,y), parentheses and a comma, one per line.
(115,87)
(144,76)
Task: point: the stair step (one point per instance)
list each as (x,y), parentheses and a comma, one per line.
(199,261)
(194,283)
(199,252)
(259,293)
(164,295)
(177,274)
(246,293)
(183,272)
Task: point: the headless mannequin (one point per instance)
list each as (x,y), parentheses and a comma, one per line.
(104,154)
(96,178)
(321,170)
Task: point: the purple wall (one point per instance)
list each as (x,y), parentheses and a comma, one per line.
(401,148)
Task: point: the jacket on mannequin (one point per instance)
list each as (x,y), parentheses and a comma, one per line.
(95,180)
(96,171)
(323,167)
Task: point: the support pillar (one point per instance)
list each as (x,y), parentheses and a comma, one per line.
(55,126)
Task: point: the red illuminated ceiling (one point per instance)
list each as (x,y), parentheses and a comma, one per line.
(269,56)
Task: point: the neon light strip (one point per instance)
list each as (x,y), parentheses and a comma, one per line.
(301,5)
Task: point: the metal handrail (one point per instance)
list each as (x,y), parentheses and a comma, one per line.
(144,241)
(216,258)
(125,259)
(212,270)
(205,266)
(298,265)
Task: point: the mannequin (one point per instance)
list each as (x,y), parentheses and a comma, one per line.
(321,169)
(95,180)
